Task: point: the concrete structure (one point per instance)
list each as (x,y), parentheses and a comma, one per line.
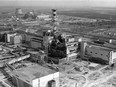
(108,55)
(17,39)
(30,23)
(13,38)
(35,39)
(83,45)
(44,17)
(18,11)
(63,47)
(71,46)
(35,76)
(111,41)
(9,35)
(36,43)
(39,57)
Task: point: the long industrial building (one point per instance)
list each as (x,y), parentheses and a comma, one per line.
(91,51)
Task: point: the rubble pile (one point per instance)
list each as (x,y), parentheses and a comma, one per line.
(112,81)
(94,76)
(107,71)
(109,83)
(65,66)
(63,81)
(102,85)
(80,80)
(80,63)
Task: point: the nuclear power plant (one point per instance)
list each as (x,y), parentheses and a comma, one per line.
(54,48)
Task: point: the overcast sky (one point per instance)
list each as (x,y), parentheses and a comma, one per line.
(60,3)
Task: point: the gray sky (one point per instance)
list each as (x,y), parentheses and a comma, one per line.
(60,3)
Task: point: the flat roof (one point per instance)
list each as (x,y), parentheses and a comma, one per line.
(102,47)
(32,72)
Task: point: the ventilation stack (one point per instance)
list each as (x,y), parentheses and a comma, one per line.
(54,18)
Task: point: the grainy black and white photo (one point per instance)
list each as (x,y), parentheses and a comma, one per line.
(57,43)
